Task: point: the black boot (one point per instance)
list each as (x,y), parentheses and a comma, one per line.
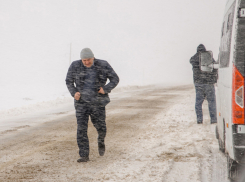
(199,122)
(83,159)
(101,147)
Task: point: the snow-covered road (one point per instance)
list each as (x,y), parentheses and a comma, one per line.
(152,136)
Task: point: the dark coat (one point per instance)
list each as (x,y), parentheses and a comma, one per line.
(77,72)
(199,76)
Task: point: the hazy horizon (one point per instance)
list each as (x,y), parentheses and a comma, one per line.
(146,42)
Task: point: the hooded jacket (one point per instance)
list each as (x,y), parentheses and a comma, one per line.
(199,76)
(77,73)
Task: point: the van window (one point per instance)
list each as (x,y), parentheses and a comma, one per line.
(223,27)
(228,23)
(224,54)
(239,53)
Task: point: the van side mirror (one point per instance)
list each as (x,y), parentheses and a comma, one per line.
(206,61)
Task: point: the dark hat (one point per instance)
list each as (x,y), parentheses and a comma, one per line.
(201,48)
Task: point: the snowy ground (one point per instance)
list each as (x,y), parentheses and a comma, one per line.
(152,136)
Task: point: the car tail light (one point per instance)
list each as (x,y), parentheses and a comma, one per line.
(237,97)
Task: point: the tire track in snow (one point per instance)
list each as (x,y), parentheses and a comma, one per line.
(152,136)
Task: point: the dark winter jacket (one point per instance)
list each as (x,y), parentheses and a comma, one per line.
(77,73)
(198,75)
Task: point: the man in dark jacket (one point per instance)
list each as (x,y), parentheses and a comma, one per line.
(90,94)
(204,85)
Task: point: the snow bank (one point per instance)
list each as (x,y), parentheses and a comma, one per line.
(20,104)
(26,107)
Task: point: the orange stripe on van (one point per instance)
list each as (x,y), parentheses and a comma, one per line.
(237,111)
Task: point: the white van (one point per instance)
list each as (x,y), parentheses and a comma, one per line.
(230,129)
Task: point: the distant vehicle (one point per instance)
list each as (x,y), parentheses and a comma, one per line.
(230,129)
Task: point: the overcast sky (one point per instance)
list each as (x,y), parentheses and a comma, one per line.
(145,41)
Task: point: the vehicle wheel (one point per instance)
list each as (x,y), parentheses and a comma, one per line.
(222,143)
(221,146)
(232,169)
(216,132)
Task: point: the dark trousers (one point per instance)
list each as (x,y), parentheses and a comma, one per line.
(205,91)
(97,115)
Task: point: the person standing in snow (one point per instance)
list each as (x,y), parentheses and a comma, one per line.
(90,94)
(204,85)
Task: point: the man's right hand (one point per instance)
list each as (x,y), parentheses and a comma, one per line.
(77,95)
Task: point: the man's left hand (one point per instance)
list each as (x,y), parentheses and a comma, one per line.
(101,91)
